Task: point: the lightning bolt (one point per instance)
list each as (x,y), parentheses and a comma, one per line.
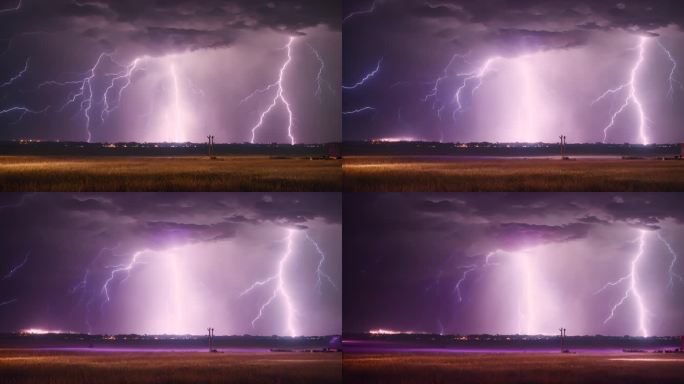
(16,268)
(126,77)
(476,77)
(671,272)
(320,274)
(85,95)
(8,302)
(279,97)
(358,110)
(320,81)
(23,111)
(17,76)
(369,10)
(632,290)
(177,123)
(525,271)
(464,276)
(671,78)
(632,97)
(365,78)
(280,290)
(124,269)
(435,86)
(12,9)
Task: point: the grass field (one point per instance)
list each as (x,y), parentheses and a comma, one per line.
(168,367)
(399,174)
(511,368)
(113,174)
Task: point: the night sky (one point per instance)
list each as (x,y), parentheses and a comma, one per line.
(178,263)
(549,61)
(197,61)
(529,263)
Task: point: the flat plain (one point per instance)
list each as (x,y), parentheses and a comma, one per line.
(462,174)
(59,367)
(498,368)
(157,173)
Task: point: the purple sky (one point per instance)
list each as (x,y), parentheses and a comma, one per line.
(549,61)
(197,60)
(180,262)
(529,263)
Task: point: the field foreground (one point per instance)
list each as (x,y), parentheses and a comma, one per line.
(499,368)
(462,174)
(57,367)
(179,173)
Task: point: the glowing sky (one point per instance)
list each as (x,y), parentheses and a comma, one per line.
(171,263)
(196,62)
(526,70)
(524,263)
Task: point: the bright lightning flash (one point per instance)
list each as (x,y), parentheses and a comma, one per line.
(280,290)
(278,98)
(632,290)
(632,97)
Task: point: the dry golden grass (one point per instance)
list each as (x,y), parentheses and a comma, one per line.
(113,174)
(399,174)
(167,367)
(510,368)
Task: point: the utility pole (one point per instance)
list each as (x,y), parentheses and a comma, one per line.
(563,142)
(211,337)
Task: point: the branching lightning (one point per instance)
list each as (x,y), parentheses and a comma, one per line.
(632,97)
(320,274)
(366,77)
(8,302)
(369,10)
(12,9)
(279,97)
(358,110)
(23,111)
(123,269)
(320,81)
(525,270)
(18,75)
(126,77)
(671,271)
(457,287)
(671,80)
(632,290)
(87,97)
(476,77)
(17,267)
(280,290)
(435,86)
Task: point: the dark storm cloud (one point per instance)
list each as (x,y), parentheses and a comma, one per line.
(168,26)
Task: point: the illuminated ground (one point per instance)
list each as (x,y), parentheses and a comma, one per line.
(513,368)
(446,174)
(26,366)
(182,173)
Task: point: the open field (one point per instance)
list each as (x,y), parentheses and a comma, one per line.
(446,174)
(26,366)
(181,173)
(498,368)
